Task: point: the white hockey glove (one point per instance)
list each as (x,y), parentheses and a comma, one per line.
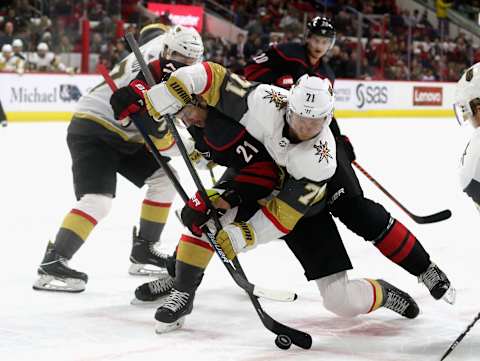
(166,98)
(234,237)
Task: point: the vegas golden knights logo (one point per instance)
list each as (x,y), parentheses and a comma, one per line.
(277,98)
(323,151)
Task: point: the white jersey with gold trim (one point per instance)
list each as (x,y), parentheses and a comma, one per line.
(261,110)
(96,103)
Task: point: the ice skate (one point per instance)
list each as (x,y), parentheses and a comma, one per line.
(153,291)
(146,260)
(171,315)
(55,275)
(398,301)
(438,284)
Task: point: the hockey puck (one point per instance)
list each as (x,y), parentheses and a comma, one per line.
(283,342)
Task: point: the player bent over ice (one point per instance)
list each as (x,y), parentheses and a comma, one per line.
(103,144)
(283,65)
(296,135)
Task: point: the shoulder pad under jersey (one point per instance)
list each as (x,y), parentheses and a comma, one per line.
(266,109)
(315,159)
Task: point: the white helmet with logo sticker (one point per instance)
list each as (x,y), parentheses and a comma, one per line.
(310,106)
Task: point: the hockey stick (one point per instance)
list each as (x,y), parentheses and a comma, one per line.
(460,338)
(432,218)
(274,295)
(285,335)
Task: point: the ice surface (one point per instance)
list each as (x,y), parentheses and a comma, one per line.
(415,159)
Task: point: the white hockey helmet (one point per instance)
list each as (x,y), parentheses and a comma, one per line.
(42,47)
(310,106)
(17,43)
(467,94)
(7,48)
(185,41)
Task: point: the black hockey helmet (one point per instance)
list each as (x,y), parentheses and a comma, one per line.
(321,26)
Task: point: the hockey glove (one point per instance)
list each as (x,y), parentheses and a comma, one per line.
(128,100)
(196,213)
(235,237)
(348,147)
(199,161)
(167,98)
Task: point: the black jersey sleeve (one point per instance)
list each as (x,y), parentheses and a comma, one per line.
(267,67)
(229,144)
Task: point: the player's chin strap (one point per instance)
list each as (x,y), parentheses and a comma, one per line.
(297,337)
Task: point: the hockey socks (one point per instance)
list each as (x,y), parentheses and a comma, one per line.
(152,219)
(399,245)
(75,229)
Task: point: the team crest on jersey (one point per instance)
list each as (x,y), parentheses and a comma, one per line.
(277,98)
(323,151)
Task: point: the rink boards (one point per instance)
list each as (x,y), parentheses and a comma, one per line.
(52,97)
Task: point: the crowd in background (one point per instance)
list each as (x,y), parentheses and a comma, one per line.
(383,52)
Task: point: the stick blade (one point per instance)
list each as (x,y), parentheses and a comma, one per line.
(433,218)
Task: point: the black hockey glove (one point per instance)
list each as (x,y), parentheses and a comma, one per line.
(128,99)
(348,147)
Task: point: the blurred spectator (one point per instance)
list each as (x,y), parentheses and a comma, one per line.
(132,10)
(267,21)
(236,50)
(65,45)
(428,75)
(45,61)
(441,7)
(6,36)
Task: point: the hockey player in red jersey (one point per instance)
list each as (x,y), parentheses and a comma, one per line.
(296,134)
(282,65)
(103,144)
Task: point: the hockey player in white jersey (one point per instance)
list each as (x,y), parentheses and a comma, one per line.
(11,62)
(467,110)
(103,144)
(44,60)
(293,127)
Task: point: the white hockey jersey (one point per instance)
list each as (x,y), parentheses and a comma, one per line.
(50,62)
(261,110)
(95,105)
(470,168)
(13,63)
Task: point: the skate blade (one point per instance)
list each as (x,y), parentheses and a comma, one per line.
(163,327)
(55,284)
(137,269)
(159,301)
(450,296)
